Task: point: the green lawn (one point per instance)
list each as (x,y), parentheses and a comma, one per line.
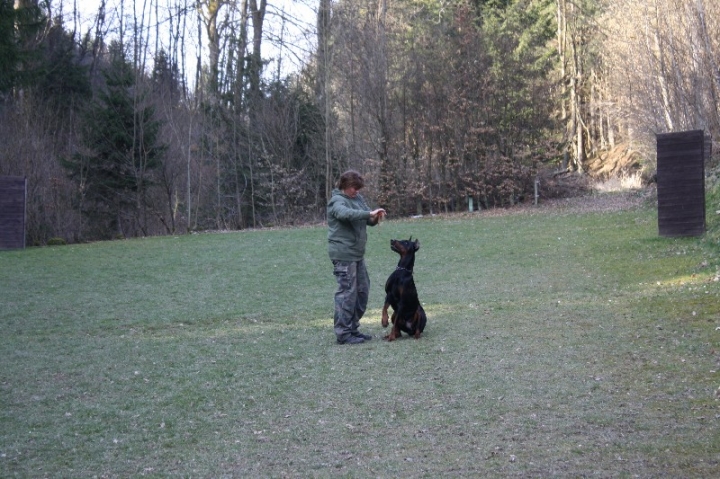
(560,343)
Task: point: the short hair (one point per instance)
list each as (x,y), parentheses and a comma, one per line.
(351,178)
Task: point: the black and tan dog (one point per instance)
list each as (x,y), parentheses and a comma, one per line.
(400,293)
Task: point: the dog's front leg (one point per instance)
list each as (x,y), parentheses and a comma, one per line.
(394,333)
(416,324)
(395,330)
(384,320)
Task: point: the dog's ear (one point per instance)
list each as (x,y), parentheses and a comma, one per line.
(417,244)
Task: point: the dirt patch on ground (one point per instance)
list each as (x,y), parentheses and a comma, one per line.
(597,202)
(617,201)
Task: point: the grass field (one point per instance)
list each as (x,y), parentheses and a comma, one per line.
(561,342)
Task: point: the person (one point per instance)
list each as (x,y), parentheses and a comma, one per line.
(348,215)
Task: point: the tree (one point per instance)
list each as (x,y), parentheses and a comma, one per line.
(255,63)
(363,67)
(20,23)
(165,79)
(63,81)
(322,87)
(445,103)
(576,31)
(210,10)
(662,68)
(120,151)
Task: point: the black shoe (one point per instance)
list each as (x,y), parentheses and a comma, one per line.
(358,334)
(351,340)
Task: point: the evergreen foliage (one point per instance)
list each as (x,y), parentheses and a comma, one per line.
(64,80)
(121,150)
(18,48)
(165,78)
(438,103)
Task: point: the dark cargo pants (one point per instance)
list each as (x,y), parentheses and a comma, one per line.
(351,297)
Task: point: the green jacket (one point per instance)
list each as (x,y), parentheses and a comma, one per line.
(347,221)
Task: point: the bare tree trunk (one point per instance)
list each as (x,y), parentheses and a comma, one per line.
(257,13)
(575,107)
(594,125)
(242,42)
(157,29)
(210,10)
(661,74)
(322,91)
(386,174)
(238,124)
(198,63)
(122,22)
(562,53)
(188,184)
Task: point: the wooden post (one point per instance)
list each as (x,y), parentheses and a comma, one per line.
(13,200)
(681,183)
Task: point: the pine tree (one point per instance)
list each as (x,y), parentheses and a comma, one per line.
(63,81)
(18,29)
(166,78)
(120,152)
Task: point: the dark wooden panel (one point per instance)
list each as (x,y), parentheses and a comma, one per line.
(680,136)
(681,182)
(12,212)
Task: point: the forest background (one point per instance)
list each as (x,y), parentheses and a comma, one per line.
(165,116)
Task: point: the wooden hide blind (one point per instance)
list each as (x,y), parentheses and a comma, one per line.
(681,183)
(12,212)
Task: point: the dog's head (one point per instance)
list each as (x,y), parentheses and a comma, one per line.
(403,247)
